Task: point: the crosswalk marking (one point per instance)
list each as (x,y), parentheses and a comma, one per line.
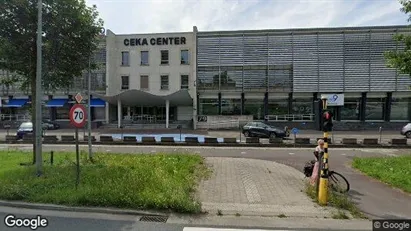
(221,229)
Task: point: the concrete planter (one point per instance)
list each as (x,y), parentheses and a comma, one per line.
(93,138)
(67,138)
(276,141)
(147,140)
(399,141)
(252,140)
(302,141)
(329,139)
(50,139)
(370,141)
(349,141)
(191,140)
(130,139)
(210,140)
(230,140)
(106,139)
(10,138)
(167,139)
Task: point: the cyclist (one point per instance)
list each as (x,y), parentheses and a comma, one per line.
(318,150)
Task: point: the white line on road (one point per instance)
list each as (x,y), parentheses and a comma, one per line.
(343,154)
(243,153)
(291,153)
(108,150)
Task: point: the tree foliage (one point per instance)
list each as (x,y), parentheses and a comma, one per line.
(400,59)
(70,29)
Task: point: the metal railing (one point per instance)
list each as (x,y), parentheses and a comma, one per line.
(290,117)
(17,117)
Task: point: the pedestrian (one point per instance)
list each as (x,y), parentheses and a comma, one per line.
(319,149)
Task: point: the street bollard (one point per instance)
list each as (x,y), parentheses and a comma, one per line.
(51,157)
(380,131)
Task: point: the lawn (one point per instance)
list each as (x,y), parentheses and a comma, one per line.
(144,181)
(395,171)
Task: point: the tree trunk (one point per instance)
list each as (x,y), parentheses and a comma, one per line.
(33,113)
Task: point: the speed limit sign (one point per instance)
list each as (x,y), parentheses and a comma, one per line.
(78,115)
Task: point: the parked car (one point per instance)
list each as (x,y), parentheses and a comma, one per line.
(49,125)
(262,130)
(26,128)
(406,130)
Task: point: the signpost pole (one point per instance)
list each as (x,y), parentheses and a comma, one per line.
(77,160)
(90,152)
(37,124)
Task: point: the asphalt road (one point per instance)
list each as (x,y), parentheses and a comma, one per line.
(377,200)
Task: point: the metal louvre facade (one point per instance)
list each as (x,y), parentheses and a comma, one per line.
(300,60)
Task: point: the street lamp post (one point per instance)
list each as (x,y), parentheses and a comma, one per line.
(38,125)
(90,151)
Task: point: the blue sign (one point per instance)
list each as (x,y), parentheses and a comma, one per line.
(295,131)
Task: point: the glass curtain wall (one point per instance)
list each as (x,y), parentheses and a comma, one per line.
(208,107)
(231,106)
(375,109)
(351,109)
(401,108)
(254,107)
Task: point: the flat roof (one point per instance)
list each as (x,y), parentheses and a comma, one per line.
(324,30)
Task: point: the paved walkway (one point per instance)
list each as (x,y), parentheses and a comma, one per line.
(257,187)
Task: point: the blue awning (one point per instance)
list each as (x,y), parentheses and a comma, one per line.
(97,103)
(56,103)
(16,102)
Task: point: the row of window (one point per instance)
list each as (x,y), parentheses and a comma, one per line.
(164,54)
(144,82)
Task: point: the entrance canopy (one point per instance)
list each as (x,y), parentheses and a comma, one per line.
(143,98)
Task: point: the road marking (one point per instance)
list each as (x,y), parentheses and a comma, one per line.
(343,154)
(197,152)
(108,150)
(291,153)
(243,153)
(153,151)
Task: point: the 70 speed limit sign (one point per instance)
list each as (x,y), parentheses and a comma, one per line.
(78,115)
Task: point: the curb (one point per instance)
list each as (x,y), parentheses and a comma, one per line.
(262,145)
(53,207)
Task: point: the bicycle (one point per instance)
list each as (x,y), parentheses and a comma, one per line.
(336,181)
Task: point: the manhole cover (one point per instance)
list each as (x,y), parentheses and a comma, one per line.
(154,219)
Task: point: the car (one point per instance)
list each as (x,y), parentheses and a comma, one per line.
(49,125)
(26,128)
(262,130)
(406,130)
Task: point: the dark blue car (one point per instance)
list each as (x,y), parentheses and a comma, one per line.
(26,128)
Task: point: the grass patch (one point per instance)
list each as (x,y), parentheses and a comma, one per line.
(337,200)
(145,181)
(395,171)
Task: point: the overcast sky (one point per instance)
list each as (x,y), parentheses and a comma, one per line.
(159,16)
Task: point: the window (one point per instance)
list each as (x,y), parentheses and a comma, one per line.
(144,58)
(164,57)
(144,82)
(231,107)
(185,57)
(254,107)
(208,106)
(184,81)
(302,107)
(125,58)
(276,106)
(124,82)
(401,108)
(164,82)
(374,109)
(351,109)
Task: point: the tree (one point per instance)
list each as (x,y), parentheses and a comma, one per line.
(401,59)
(70,29)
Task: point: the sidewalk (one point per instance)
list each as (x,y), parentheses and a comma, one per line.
(250,187)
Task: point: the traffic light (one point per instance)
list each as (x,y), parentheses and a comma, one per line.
(327,121)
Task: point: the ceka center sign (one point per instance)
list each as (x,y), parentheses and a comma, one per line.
(334,99)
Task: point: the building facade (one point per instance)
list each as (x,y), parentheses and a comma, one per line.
(277,74)
(150,79)
(193,78)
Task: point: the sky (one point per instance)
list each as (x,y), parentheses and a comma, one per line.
(161,16)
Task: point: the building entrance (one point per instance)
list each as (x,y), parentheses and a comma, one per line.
(149,114)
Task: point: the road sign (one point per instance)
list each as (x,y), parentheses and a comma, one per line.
(78,115)
(78,98)
(295,131)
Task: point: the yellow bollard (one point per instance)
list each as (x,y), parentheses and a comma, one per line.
(323,188)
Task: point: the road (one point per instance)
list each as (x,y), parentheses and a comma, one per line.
(68,221)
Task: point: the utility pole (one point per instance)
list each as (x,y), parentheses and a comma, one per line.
(90,151)
(38,124)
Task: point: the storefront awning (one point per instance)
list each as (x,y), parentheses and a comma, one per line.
(97,103)
(16,103)
(56,103)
